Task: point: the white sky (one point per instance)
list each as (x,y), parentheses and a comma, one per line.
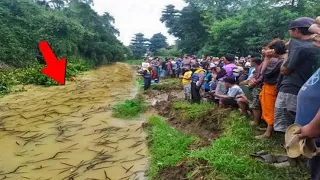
(134,16)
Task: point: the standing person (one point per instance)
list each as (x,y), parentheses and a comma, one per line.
(255,84)
(147,78)
(273,60)
(163,68)
(186,81)
(197,80)
(296,70)
(308,110)
(186,64)
(208,79)
(169,67)
(228,67)
(145,65)
(178,63)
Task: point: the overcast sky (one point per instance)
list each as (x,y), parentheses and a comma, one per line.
(134,16)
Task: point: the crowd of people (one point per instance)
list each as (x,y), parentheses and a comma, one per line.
(280,86)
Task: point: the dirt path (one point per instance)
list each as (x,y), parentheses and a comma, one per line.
(66,132)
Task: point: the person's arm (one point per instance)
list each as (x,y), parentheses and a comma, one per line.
(312,130)
(221,96)
(201,78)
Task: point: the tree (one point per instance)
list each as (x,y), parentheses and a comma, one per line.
(73,30)
(139,45)
(171,51)
(157,42)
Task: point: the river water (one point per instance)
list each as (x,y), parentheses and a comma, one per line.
(67,132)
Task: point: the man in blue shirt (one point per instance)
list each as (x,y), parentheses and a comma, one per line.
(308,112)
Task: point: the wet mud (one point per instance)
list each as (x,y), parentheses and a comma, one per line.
(67,132)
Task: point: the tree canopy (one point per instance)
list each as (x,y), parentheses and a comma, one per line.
(71,27)
(157,42)
(217,27)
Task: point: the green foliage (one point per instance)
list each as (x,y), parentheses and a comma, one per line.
(71,28)
(217,27)
(32,74)
(186,26)
(172,51)
(129,108)
(135,62)
(157,42)
(168,84)
(139,45)
(192,112)
(228,155)
(167,146)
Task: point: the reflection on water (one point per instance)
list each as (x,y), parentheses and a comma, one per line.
(66,132)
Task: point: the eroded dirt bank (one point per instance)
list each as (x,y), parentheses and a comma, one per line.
(67,132)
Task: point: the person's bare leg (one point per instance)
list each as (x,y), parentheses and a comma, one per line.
(268,131)
(243,107)
(256,116)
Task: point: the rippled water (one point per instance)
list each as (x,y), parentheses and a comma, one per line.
(67,132)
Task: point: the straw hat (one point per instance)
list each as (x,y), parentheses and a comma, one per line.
(292,141)
(296,146)
(308,148)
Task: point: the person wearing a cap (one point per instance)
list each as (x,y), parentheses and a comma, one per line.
(197,80)
(274,55)
(308,111)
(295,71)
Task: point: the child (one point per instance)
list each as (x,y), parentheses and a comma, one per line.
(230,100)
(186,81)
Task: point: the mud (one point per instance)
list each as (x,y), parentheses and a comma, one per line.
(67,132)
(208,127)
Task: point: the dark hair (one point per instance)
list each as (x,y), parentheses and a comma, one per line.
(230,57)
(304,31)
(279,46)
(254,55)
(257,60)
(230,79)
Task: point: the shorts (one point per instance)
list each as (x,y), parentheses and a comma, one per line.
(230,102)
(254,103)
(187,89)
(285,111)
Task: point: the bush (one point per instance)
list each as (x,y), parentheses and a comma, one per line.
(33,75)
(129,109)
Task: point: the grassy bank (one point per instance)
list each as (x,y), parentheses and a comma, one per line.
(227,157)
(130,108)
(135,62)
(32,75)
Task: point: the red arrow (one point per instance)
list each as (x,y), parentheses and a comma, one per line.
(55,69)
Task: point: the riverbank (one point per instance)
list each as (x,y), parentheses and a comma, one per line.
(32,75)
(68,132)
(203,142)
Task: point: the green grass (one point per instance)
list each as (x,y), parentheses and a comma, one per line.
(167,145)
(129,108)
(228,155)
(168,84)
(190,112)
(135,62)
(33,75)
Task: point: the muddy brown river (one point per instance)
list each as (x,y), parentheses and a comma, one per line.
(67,132)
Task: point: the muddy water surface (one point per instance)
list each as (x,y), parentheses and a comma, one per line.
(66,132)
